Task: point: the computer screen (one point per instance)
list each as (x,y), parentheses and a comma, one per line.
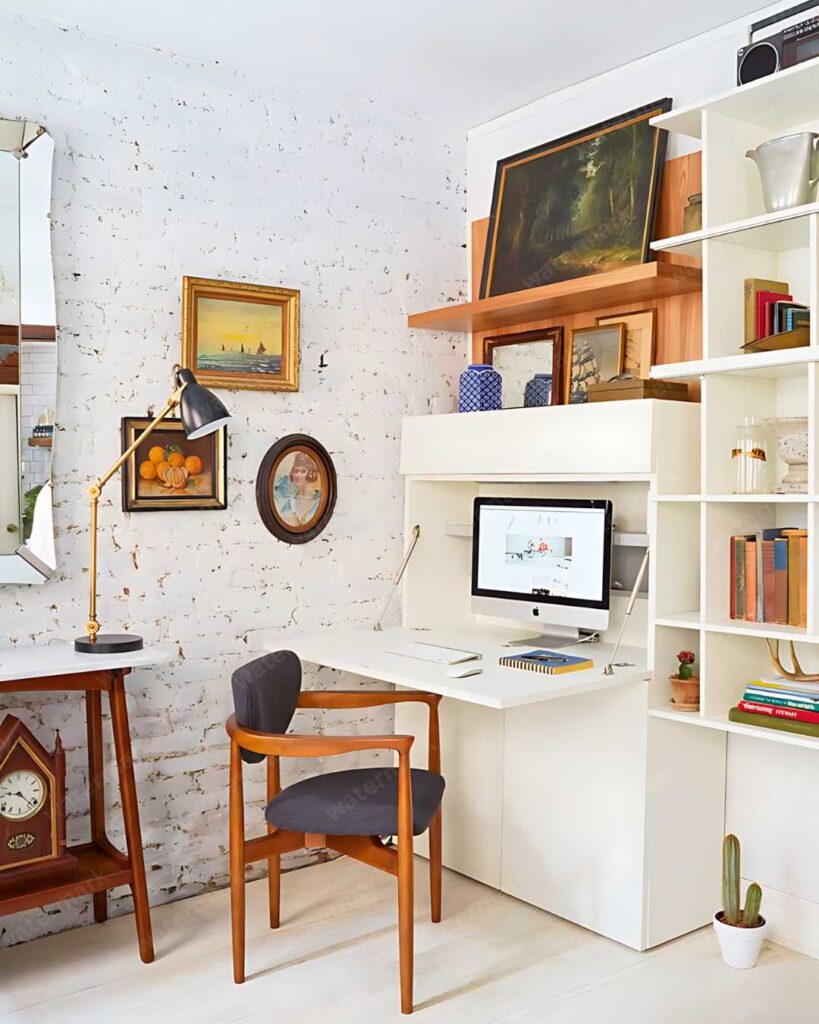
(549,551)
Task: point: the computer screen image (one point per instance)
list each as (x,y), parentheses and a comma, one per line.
(551,558)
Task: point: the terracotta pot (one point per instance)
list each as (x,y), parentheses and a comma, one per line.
(686,693)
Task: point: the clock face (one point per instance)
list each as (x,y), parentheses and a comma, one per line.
(22,794)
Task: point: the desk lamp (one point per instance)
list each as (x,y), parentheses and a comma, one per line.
(201,413)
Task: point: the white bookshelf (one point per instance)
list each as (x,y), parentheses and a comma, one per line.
(740,240)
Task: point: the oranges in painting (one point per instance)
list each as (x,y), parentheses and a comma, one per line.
(156,454)
(170,466)
(176,459)
(148,470)
(193,464)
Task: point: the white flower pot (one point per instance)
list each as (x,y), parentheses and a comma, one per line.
(740,946)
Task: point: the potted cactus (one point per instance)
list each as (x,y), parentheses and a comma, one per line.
(740,932)
(685,686)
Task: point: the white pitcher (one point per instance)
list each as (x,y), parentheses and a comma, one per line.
(786,166)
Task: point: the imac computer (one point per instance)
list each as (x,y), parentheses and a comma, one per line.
(545,560)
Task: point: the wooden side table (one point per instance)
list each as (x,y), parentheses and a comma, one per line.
(101,865)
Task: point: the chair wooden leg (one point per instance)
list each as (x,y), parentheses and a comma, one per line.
(237,865)
(274,863)
(405,884)
(435,837)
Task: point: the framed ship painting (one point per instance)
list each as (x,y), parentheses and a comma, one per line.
(243,336)
(582,204)
(595,355)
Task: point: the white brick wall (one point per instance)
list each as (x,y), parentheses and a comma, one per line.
(165,166)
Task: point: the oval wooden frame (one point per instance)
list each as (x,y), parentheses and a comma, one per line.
(264,500)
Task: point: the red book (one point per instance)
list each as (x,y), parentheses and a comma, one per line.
(750,581)
(764,307)
(768,581)
(772,711)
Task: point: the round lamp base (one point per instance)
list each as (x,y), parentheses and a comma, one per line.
(108,643)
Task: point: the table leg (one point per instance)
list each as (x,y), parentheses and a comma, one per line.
(130,813)
(96,785)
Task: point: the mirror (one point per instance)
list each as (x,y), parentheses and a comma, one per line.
(28,354)
(530,364)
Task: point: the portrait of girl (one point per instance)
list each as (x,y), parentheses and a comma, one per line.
(297,491)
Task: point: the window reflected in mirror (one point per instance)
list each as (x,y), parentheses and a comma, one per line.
(530,364)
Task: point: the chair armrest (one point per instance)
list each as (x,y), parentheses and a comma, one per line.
(295,745)
(364,698)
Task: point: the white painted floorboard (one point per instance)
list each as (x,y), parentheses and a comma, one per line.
(493,959)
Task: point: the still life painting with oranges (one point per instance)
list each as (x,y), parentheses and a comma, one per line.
(168,471)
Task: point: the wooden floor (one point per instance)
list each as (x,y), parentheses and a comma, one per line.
(493,959)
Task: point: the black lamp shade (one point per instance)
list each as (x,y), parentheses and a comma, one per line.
(201,411)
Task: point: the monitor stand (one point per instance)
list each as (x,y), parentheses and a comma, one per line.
(557,637)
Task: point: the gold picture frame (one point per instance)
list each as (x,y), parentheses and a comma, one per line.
(593,355)
(241,336)
(641,339)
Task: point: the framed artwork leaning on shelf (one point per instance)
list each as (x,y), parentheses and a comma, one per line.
(595,354)
(582,204)
(519,357)
(641,340)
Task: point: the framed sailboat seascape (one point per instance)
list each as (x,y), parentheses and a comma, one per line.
(240,336)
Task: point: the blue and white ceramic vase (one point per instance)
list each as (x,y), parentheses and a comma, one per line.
(538,391)
(480,389)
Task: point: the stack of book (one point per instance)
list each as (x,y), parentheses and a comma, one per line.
(780,704)
(772,319)
(769,577)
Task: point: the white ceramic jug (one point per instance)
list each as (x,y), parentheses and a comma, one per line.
(786,168)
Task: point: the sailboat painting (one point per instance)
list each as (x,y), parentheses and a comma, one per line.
(241,335)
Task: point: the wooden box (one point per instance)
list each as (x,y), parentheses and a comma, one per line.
(619,390)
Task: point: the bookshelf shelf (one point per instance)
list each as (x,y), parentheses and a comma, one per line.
(788,362)
(722,723)
(780,102)
(739,499)
(772,232)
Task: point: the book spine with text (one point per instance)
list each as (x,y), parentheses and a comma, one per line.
(781,581)
(790,713)
(768,581)
(781,702)
(750,580)
(769,722)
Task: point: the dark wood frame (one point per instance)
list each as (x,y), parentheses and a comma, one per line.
(101,866)
(130,428)
(546,148)
(553,334)
(395,860)
(265,479)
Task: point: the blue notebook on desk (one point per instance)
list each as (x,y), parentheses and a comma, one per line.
(550,662)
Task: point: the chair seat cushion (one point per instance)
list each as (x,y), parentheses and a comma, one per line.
(360,802)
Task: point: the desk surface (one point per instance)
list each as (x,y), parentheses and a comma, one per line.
(32,661)
(364,653)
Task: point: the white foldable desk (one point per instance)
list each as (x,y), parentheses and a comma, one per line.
(367,653)
(538,802)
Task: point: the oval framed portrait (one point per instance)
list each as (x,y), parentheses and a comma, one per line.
(296,489)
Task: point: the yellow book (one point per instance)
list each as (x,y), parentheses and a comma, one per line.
(551,663)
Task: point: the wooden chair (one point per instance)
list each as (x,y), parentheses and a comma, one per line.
(347,811)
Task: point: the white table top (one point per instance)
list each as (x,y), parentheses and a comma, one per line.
(364,653)
(32,661)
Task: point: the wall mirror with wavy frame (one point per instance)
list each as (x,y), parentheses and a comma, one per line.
(28,354)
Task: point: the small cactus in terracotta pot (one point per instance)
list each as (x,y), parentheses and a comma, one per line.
(685,685)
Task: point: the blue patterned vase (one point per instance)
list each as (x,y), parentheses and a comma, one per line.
(538,391)
(479,389)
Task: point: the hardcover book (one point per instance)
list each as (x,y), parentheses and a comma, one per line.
(791,714)
(752,286)
(764,722)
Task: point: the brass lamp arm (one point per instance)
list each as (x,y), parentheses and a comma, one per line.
(94,491)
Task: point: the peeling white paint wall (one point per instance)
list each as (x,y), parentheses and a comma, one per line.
(165,166)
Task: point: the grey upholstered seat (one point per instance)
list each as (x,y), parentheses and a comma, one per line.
(359,802)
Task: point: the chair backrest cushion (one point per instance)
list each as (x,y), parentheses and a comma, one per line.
(265,694)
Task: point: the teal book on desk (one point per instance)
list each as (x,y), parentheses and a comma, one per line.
(549,662)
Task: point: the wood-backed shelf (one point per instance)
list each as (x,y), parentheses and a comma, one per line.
(640,283)
(40,442)
(100,867)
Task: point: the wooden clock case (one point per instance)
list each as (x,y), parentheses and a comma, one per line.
(34,847)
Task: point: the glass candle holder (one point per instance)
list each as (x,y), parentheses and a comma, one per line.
(750,458)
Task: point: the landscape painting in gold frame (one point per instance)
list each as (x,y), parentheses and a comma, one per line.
(240,336)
